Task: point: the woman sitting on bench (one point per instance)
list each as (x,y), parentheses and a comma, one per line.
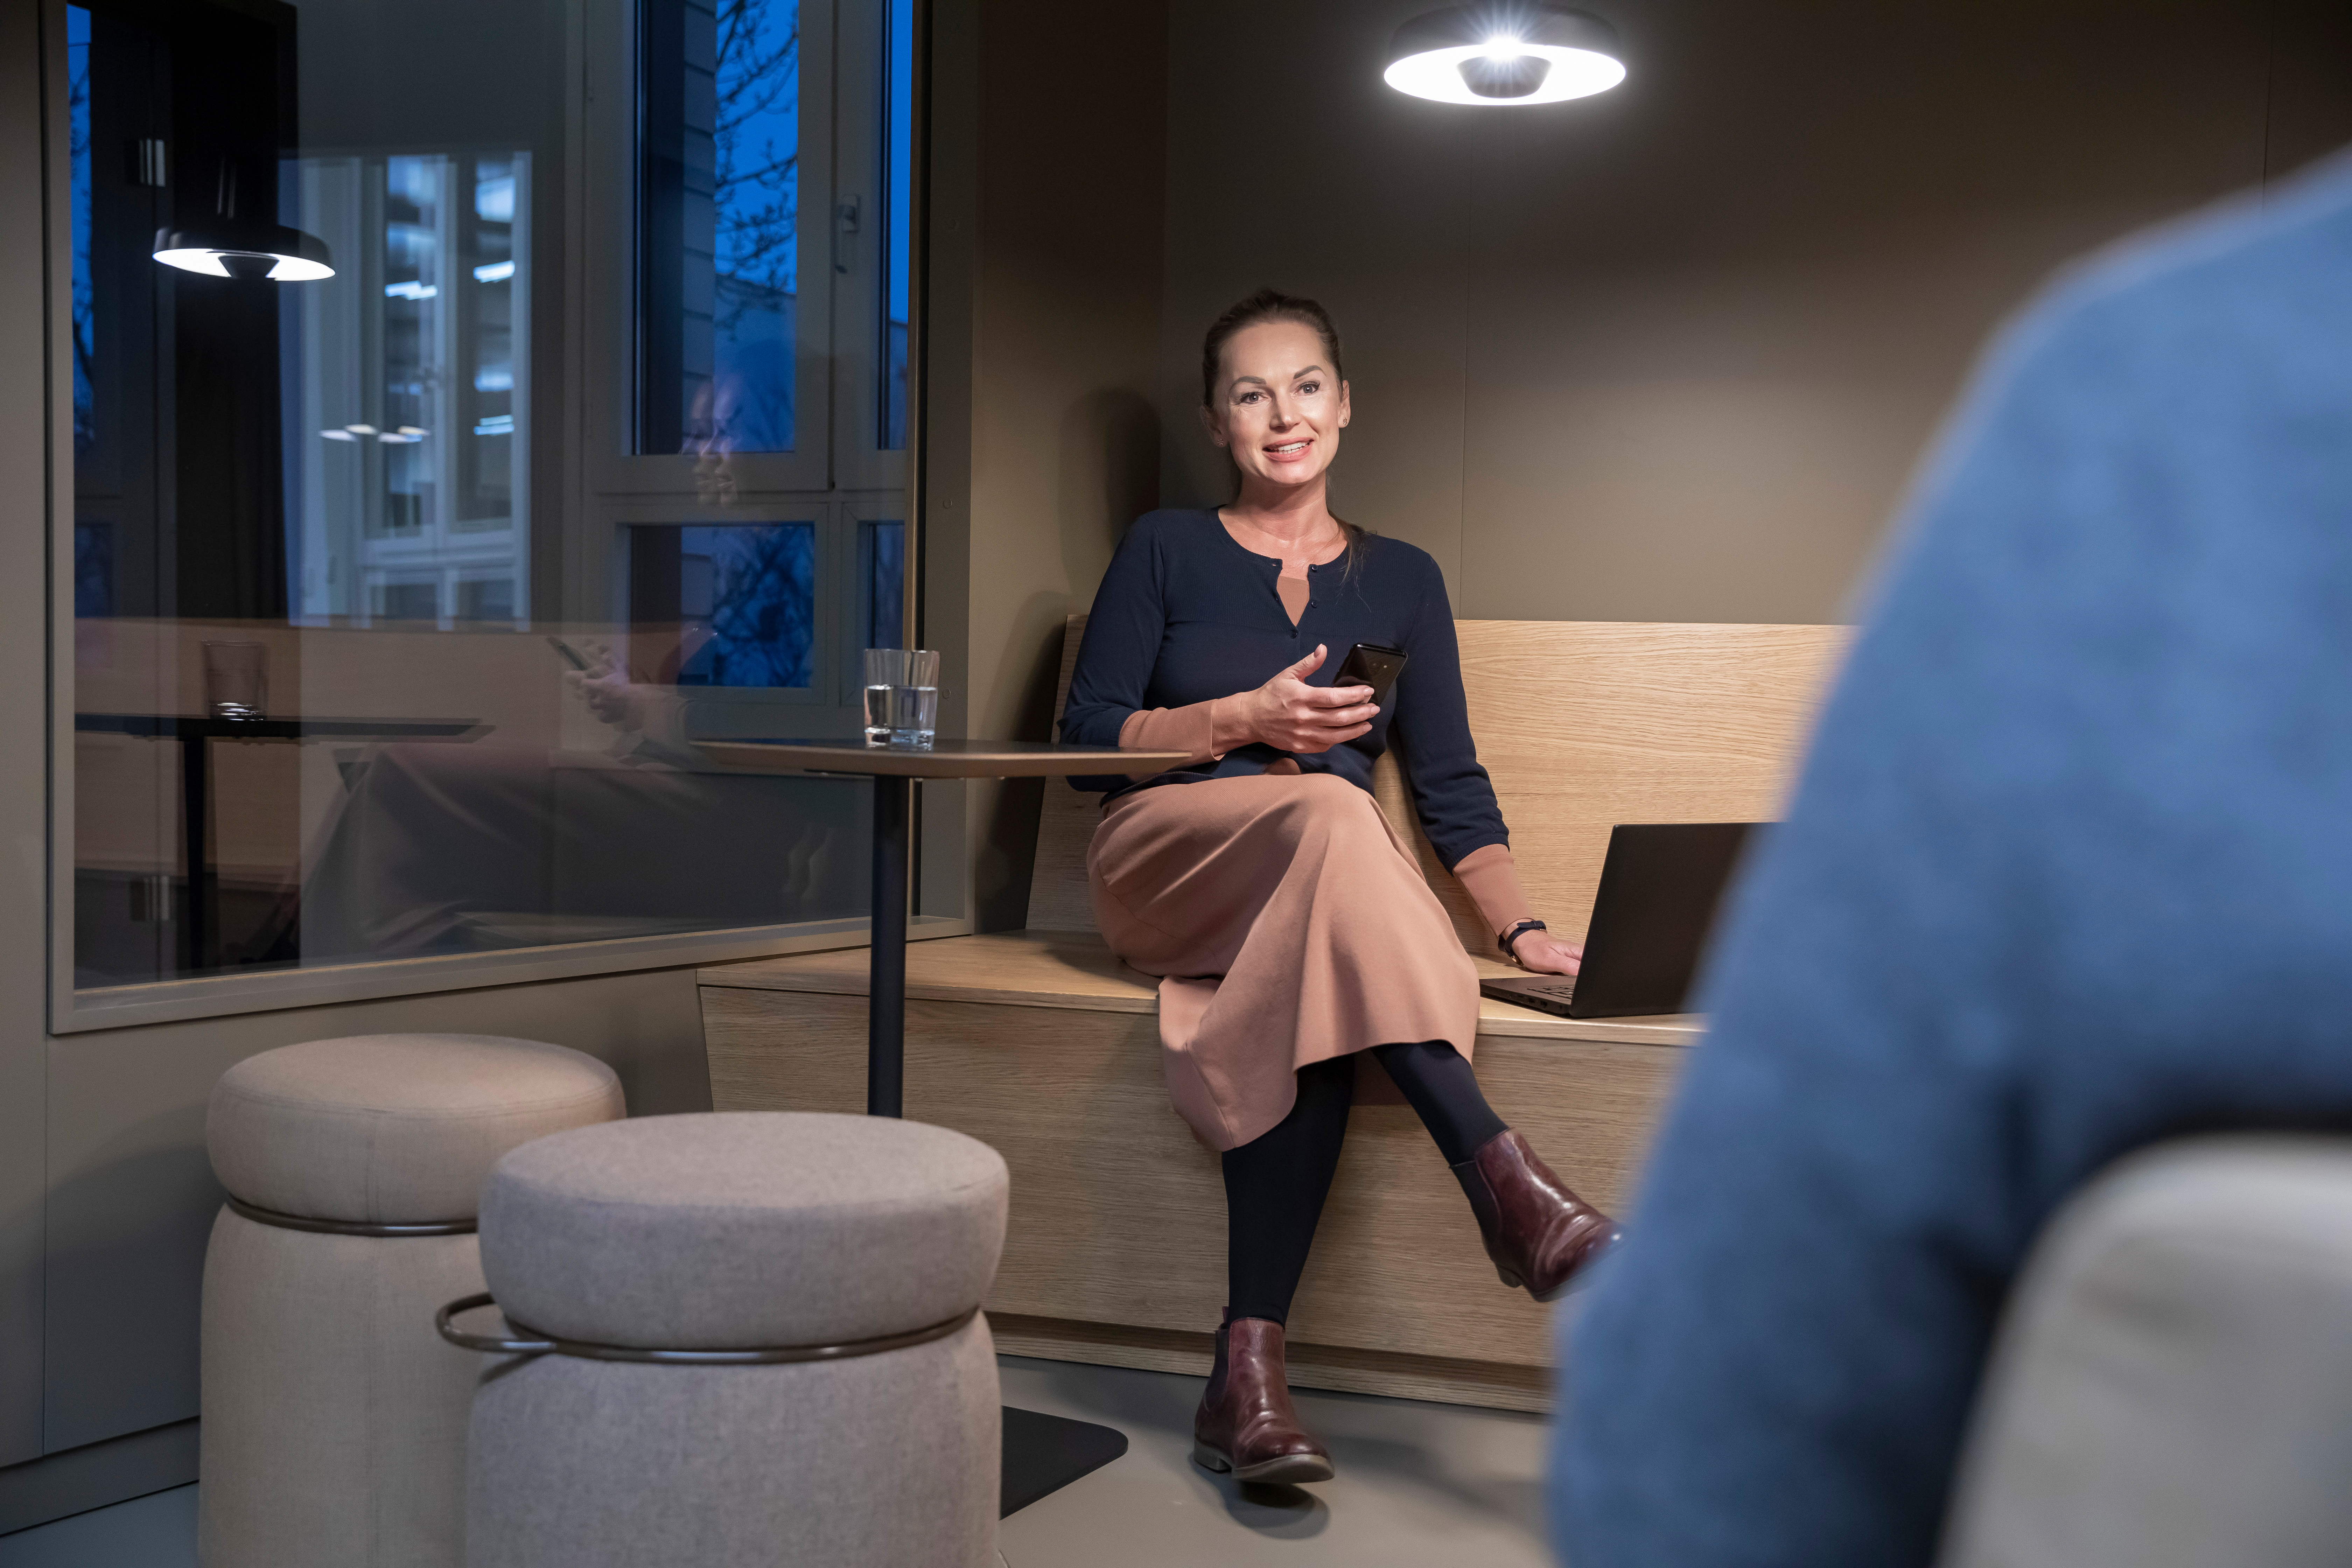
(1290,927)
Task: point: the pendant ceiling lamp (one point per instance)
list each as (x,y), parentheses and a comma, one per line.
(226,246)
(1504,54)
(230,250)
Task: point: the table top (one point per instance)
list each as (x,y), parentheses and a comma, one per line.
(162,725)
(943,759)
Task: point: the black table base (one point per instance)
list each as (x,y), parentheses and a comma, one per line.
(885,989)
(1043,1454)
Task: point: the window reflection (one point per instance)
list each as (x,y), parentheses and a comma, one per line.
(726,607)
(719,177)
(480,704)
(897,173)
(415,382)
(85,311)
(882,583)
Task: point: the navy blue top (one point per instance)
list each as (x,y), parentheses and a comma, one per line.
(2066,874)
(1185,615)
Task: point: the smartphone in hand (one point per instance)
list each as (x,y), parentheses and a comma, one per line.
(1372,664)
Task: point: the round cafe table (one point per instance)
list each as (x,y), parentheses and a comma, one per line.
(894,770)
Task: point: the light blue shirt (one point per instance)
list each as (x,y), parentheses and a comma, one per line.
(2069,872)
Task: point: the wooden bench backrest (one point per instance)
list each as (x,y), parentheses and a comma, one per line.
(1582,724)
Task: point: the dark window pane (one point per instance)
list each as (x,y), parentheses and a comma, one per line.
(409,601)
(491,599)
(724,607)
(882,578)
(898,135)
(93,570)
(85,294)
(719,181)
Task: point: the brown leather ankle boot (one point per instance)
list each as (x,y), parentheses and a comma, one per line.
(1538,1233)
(1246,1422)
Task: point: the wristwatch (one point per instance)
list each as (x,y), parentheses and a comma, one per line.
(1514,933)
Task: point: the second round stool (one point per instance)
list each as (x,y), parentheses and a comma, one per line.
(334,1419)
(760,1342)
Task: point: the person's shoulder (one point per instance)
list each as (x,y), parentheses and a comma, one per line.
(1171,524)
(2256,267)
(1391,560)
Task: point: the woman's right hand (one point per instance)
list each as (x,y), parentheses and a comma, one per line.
(1292,716)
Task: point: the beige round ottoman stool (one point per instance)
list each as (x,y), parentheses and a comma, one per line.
(334,1418)
(757,1340)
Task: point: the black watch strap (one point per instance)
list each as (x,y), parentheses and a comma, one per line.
(1517,932)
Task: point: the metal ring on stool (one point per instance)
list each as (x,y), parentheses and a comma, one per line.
(543,1344)
(350,1226)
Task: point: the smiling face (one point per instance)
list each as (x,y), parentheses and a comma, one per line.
(1279,404)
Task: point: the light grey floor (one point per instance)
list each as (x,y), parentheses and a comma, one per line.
(1418,1484)
(155,1532)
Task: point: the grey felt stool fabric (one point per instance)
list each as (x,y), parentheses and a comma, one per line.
(334,1417)
(742,1232)
(2173,1386)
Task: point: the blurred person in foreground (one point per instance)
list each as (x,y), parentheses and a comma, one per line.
(2069,872)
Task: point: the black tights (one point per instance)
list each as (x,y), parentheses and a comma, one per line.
(1276,1184)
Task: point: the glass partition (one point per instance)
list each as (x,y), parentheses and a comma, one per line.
(376,655)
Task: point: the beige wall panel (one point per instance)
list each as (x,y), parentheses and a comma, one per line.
(1290,166)
(1672,353)
(1062,436)
(1584,725)
(1118,1214)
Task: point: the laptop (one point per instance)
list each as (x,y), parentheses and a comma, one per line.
(1659,889)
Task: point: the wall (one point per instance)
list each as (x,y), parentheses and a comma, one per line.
(25,453)
(1670,353)
(1045,439)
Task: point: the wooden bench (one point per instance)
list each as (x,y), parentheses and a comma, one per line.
(1041,1044)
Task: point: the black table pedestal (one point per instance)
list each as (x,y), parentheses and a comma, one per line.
(886,990)
(1042,1453)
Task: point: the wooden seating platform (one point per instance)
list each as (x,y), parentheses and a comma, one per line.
(1043,1045)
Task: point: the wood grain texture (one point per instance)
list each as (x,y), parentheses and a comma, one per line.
(1118,1214)
(1582,725)
(1075,969)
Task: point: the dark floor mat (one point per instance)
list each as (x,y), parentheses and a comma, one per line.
(1043,1454)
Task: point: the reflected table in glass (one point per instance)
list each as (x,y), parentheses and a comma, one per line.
(1043,1454)
(197,733)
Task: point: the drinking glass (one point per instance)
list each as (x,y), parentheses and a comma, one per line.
(236,680)
(902,696)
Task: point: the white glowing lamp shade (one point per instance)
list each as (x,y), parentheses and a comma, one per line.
(269,251)
(1505,55)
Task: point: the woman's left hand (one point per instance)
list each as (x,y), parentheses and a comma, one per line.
(1540,953)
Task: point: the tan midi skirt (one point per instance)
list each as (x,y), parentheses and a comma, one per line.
(1287,925)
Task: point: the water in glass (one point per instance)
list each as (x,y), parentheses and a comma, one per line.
(902,696)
